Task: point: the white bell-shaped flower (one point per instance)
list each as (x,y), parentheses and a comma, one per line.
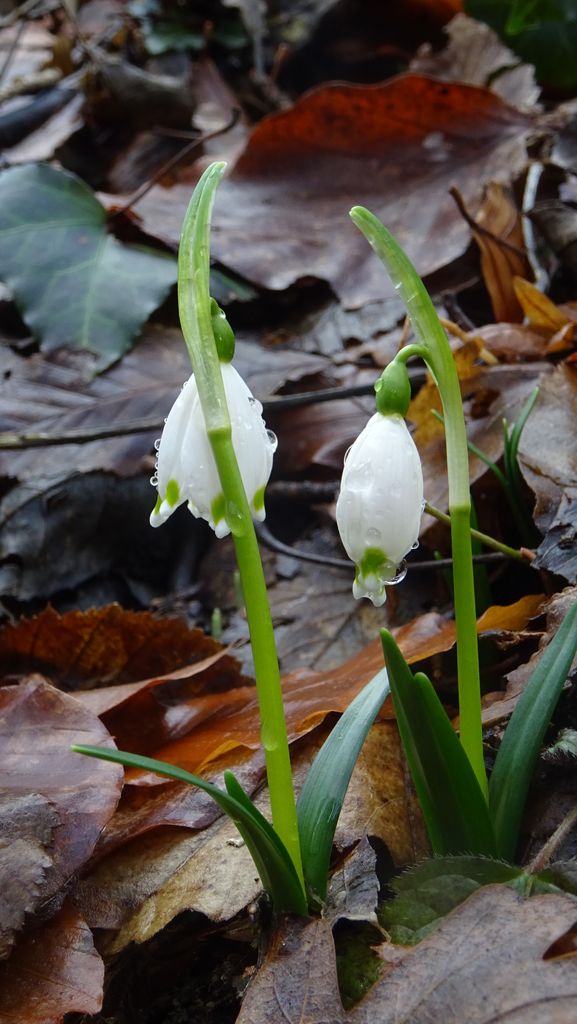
(186,470)
(380,504)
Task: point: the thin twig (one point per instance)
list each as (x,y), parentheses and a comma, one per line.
(174,160)
(12,441)
(553,843)
(479,228)
(272,542)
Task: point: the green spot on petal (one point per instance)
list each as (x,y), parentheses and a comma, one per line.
(172,493)
(375,563)
(218,509)
(258,500)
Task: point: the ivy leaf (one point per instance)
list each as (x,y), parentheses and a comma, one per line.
(73,283)
(425,894)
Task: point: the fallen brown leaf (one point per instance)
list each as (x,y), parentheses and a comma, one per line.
(54,971)
(486,963)
(27,826)
(396,148)
(38,726)
(547,456)
(475,54)
(297,982)
(498,231)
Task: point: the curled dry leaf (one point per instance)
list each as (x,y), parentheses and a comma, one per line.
(547,456)
(475,54)
(54,971)
(498,231)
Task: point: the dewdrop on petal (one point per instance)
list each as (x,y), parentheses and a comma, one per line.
(380,504)
(186,470)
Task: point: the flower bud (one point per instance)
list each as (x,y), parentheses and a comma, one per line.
(380,504)
(186,470)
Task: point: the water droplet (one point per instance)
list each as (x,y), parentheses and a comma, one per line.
(373,536)
(251,400)
(347,453)
(154,480)
(273,440)
(399,576)
(157,443)
(414,546)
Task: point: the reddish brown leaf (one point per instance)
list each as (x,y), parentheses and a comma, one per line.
(396,148)
(55,971)
(85,650)
(37,727)
(310,696)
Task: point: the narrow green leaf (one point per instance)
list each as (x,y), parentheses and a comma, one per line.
(271,859)
(73,282)
(268,869)
(326,784)
(453,805)
(523,737)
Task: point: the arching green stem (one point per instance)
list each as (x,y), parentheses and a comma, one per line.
(195,318)
(436,351)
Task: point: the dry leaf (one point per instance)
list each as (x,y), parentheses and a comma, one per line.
(487,962)
(38,726)
(54,971)
(396,148)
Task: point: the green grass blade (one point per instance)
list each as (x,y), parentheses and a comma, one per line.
(326,784)
(271,858)
(262,840)
(454,807)
(523,737)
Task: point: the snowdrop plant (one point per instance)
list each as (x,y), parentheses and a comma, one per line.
(463,813)
(215,456)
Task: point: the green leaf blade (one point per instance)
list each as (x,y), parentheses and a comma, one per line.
(326,784)
(523,737)
(271,858)
(454,807)
(73,283)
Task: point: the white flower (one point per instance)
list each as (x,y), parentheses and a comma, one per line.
(186,470)
(380,505)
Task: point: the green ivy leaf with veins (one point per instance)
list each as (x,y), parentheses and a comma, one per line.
(74,283)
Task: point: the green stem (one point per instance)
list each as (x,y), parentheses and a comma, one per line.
(195,318)
(431,336)
(484,538)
